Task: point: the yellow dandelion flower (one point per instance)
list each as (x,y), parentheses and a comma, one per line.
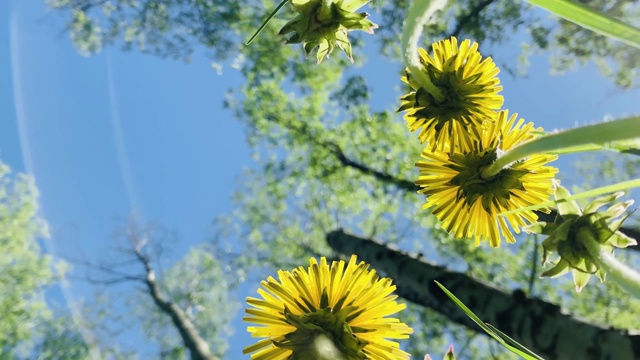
(469,86)
(468,204)
(346,307)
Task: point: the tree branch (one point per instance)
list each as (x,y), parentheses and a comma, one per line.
(473,13)
(409,186)
(542,327)
(190,336)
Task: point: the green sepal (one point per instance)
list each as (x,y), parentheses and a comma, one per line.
(561,233)
(561,268)
(594,205)
(580,279)
(621,240)
(541,227)
(449,355)
(323,322)
(352,5)
(616,210)
(566,207)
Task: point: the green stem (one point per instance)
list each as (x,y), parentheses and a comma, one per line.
(608,189)
(627,278)
(418,15)
(592,20)
(601,133)
(325,10)
(264,24)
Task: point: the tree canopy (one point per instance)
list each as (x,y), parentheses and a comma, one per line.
(26,271)
(175,28)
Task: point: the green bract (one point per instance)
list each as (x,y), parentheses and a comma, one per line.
(326,27)
(448,356)
(577,226)
(342,343)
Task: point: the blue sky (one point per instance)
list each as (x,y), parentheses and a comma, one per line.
(120,131)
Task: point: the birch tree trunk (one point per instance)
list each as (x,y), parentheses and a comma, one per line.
(544,328)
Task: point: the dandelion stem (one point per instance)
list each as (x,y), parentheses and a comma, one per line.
(627,278)
(418,15)
(610,131)
(325,10)
(264,24)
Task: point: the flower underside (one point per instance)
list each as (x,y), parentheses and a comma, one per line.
(331,324)
(469,204)
(325,31)
(472,186)
(469,87)
(346,308)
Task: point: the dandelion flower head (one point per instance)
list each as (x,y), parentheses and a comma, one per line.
(469,86)
(467,203)
(347,304)
(568,238)
(329,30)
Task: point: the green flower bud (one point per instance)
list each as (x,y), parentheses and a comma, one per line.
(574,227)
(325,28)
(448,356)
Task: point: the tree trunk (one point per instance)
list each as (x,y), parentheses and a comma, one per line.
(544,328)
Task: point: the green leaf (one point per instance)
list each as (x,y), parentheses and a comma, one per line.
(512,342)
(507,342)
(592,20)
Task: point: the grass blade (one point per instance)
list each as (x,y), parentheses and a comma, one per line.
(499,336)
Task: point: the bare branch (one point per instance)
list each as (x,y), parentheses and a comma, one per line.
(113,274)
(108,281)
(473,13)
(198,347)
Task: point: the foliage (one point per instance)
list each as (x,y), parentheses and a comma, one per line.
(574,45)
(61,341)
(175,28)
(25,272)
(168,28)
